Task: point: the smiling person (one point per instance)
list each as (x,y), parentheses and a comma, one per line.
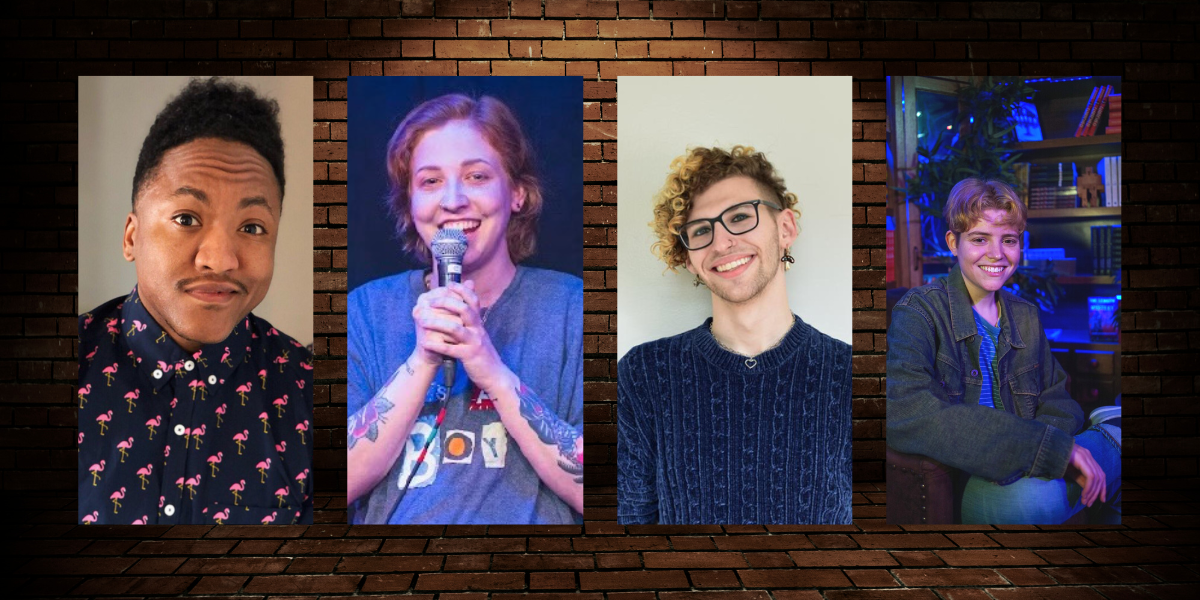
(972,382)
(746,418)
(504,443)
(188,401)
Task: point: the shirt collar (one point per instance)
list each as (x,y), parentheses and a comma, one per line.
(159,358)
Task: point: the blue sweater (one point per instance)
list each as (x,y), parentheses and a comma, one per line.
(703,438)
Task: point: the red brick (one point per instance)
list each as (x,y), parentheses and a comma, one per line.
(948,577)
(790,50)
(702,50)
(470,581)
(578,49)
(578,9)
(843,558)
(742,68)
(612,70)
(528,67)
(990,557)
(302,584)
(795,10)
(635,29)
(471,49)
(471,8)
(740,29)
(776,578)
(527,29)
(694,560)
(688,10)
(626,580)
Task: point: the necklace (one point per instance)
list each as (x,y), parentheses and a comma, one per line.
(752,361)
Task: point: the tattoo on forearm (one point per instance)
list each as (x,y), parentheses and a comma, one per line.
(365,423)
(554,431)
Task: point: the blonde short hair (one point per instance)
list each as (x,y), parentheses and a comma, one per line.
(971,197)
(695,172)
(493,119)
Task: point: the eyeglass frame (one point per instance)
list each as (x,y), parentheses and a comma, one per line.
(712,222)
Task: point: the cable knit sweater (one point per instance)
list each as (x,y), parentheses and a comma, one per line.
(703,437)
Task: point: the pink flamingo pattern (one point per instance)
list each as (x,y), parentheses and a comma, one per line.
(152,423)
(116,498)
(103,420)
(124,447)
(280,403)
(145,472)
(237,489)
(263,466)
(127,359)
(130,397)
(109,372)
(96,469)
(239,438)
(215,460)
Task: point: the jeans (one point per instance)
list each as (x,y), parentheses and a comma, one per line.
(1041,501)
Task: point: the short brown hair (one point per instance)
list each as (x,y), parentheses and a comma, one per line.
(972,196)
(493,119)
(695,172)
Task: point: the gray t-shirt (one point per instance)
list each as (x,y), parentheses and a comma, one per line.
(474,472)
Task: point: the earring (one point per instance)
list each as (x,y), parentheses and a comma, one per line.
(697,282)
(787,259)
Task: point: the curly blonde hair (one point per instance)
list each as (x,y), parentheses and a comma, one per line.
(972,196)
(695,172)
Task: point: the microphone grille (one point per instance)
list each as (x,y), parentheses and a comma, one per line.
(449,243)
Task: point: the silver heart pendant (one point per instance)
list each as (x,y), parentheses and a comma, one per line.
(751,363)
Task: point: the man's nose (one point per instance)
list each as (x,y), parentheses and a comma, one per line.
(218,251)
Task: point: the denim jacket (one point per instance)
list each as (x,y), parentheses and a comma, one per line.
(934,384)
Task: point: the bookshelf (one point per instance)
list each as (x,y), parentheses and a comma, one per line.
(1094,366)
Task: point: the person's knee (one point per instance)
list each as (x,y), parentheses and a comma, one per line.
(1025,501)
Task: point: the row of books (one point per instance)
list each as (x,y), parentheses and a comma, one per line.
(1111,167)
(1091,115)
(1106,250)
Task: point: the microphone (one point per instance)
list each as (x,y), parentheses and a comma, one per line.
(449,246)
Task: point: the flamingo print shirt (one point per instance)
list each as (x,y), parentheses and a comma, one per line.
(168,436)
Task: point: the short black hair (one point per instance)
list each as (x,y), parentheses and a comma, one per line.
(213,108)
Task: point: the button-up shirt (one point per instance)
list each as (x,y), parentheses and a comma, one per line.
(220,435)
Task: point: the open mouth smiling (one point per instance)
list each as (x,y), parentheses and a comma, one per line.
(464,225)
(732,266)
(994,270)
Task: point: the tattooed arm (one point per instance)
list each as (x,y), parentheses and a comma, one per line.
(375,434)
(553,446)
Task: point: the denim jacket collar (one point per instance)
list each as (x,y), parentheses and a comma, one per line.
(962,317)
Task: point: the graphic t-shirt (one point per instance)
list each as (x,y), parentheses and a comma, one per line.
(474,471)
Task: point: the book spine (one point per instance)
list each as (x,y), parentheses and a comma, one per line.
(1095,251)
(1101,102)
(1119,174)
(1087,112)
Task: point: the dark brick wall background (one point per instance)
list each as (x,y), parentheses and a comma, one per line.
(47,43)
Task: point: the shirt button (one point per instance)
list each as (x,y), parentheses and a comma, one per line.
(189,365)
(974,373)
(212,379)
(158,373)
(169,509)
(180,429)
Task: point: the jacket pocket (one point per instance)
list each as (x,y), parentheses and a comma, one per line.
(949,377)
(1024,388)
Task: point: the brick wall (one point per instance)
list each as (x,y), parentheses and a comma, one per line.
(47,43)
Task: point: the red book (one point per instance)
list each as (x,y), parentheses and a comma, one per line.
(1087,112)
(1100,103)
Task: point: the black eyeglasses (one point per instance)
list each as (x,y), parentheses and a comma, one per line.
(737,219)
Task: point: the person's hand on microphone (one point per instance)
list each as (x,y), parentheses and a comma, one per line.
(433,323)
(455,317)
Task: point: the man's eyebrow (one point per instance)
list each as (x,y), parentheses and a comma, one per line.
(193,192)
(254,201)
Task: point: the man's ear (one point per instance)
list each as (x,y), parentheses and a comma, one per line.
(788,230)
(687,264)
(127,245)
(952,242)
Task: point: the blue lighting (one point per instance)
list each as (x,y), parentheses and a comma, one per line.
(1055,79)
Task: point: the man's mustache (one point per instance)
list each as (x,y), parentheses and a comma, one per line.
(184,284)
